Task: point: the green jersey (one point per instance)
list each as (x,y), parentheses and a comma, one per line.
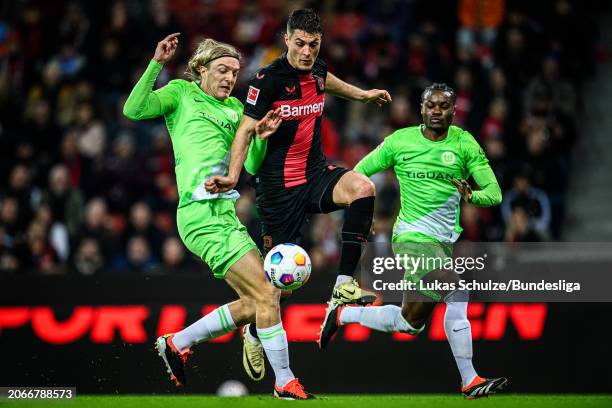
(202,129)
(424,169)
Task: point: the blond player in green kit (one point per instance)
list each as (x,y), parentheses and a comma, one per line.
(202,118)
(431,162)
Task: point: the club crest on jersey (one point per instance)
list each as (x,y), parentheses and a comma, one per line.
(448,158)
(232,114)
(252,95)
(321,84)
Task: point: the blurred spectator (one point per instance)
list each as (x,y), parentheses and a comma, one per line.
(90,133)
(138,255)
(36,254)
(26,195)
(88,259)
(122,175)
(9,263)
(66,202)
(57,232)
(175,258)
(550,88)
(9,220)
(473,228)
(496,153)
(160,163)
(534,203)
(494,124)
(141,224)
(518,230)
(98,226)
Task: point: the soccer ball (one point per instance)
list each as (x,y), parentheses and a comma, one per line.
(287,266)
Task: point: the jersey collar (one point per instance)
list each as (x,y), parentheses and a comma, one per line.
(207,96)
(449,134)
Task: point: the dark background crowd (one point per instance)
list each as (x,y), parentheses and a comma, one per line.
(84,190)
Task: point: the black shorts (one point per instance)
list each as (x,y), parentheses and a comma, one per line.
(283,212)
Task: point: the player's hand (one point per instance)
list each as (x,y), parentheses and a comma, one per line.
(166,48)
(220,184)
(379,97)
(268,124)
(464,189)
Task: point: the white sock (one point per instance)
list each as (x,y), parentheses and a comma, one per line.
(215,324)
(459,333)
(274,341)
(342,278)
(386,318)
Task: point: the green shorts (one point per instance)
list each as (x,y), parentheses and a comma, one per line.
(211,230)
(427,253)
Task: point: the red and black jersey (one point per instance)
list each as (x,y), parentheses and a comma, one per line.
(294,153)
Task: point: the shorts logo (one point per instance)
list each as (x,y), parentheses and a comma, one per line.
(267,241)
(252,95)
(448,158)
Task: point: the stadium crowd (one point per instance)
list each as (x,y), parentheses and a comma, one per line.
(84,190)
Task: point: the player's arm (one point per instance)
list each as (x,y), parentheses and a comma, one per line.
(248,127)
(490,193)
(338,87)
(377,160)
(143,102)
(256,155)
(478,166)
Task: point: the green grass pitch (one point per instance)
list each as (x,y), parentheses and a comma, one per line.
(326,401)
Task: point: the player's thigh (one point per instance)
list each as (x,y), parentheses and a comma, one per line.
(282,215)
(320,192)
(426,260)
(247,277)
(211,230)
(352,186)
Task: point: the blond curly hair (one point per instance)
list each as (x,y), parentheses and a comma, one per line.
(208,51)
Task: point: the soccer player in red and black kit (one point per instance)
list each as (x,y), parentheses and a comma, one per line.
(293,178)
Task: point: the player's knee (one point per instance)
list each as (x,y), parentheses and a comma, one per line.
(363,188)
(248,306)
(267,297)
(414,318)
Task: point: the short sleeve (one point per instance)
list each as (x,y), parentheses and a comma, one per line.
(260,95)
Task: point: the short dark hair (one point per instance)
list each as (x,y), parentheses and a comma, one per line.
(304,19)
(436,86)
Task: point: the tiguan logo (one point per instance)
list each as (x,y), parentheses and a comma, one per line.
(432,175)
(288,111)
(219,122)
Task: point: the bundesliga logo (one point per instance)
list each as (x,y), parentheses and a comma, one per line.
(252,95)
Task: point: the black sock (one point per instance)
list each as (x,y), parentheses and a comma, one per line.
(355,232)
(253,330)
